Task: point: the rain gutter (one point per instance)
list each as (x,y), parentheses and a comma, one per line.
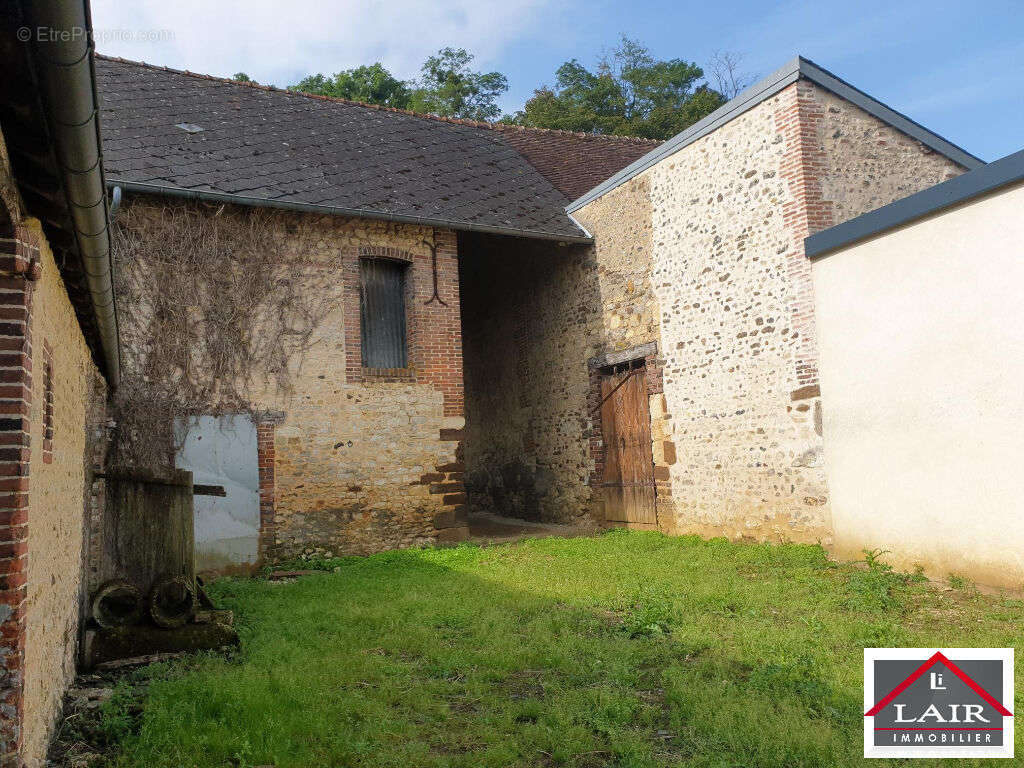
(63,60)
(288,205)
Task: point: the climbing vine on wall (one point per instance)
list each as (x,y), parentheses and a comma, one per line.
(217,309)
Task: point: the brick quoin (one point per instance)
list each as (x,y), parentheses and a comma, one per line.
(265,455)
(48,404)
(798,120)
(19,254)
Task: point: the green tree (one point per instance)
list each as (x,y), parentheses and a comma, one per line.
(242,77)
(372,84)
(629,93)
(448,87)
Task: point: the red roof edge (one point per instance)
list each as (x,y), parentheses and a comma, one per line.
(937,658)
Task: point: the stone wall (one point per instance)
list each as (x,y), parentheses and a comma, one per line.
(867,163)
(746,458)
(733,284)
(621,224)
(702,255)
(356,460)
(530,322)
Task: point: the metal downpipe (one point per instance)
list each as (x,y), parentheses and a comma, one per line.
(64,66)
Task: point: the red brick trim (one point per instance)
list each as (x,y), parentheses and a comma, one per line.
(18,257)
(798,120)
(433,327)
(18,251)
(594,435)
(439,341)
(47,403)
(266,456)
(384,252)
(354,369)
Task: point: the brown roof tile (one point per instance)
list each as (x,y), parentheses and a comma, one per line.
(575,162)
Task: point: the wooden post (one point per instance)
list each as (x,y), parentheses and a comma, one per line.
(148,533)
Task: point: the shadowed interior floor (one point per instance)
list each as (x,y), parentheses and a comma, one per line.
(486,528)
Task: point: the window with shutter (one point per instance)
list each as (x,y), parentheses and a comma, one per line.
(382,313)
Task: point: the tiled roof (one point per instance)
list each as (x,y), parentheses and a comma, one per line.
(575,162)
(270,146)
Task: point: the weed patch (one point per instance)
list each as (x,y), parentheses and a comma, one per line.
(879,587)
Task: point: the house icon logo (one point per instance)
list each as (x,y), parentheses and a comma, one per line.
(928,702)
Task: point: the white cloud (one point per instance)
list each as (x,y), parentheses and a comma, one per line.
(277,42)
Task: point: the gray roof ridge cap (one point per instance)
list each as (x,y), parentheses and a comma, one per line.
(798,66)
(743,101)
(993,177)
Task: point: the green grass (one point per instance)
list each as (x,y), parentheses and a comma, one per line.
(629,649)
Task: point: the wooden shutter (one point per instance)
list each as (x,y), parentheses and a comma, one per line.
(382,313)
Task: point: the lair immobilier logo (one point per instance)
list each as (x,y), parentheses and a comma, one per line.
(927,702)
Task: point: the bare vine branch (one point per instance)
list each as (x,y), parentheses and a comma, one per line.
(213,306)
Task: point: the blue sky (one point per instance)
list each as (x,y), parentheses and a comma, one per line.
(955,67)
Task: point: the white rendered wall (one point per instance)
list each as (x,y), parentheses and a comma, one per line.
(921,334)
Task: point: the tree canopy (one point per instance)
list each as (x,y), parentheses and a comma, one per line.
(629,93)
(447,86)
(372,84)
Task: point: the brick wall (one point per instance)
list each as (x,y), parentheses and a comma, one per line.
(359,460)
(620,222)
(18,251)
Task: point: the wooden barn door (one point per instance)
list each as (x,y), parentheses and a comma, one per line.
(628,481)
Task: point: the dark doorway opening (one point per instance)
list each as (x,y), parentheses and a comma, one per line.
(529,313)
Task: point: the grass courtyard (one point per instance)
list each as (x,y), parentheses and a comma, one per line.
(627,649)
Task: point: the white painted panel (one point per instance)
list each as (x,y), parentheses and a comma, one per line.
(222,451)
(922,364)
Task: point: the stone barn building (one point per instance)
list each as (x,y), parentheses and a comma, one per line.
(533,323)
(702,271)
(644,356)
(369,450)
